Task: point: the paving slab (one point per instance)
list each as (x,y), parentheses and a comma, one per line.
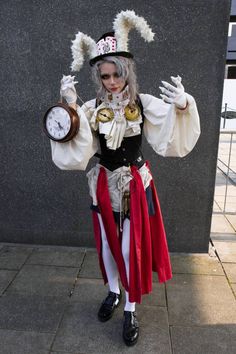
(14,257)
(56,352)
(156,298)
(230,203)
(92,289)
(56,257)
(220,178)
(200,300)
(6,276)
(204,340)
(80,331)
(90,267)
(216,207)
(232,220)
(31,313)
(220,190)
(233,285)
(196,264)
(220,224)
(223,237)
(95,291)
(230,269)
(20,342)
(43,280)
(226,250)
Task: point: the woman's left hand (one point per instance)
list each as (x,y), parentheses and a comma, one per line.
(174,94)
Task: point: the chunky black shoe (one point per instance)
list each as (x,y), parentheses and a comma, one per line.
(130,328)
(108,306)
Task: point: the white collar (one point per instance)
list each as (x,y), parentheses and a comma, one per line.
(114,98)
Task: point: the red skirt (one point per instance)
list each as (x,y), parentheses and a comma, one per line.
(148,245)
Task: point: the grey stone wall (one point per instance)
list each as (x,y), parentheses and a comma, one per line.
(41,204)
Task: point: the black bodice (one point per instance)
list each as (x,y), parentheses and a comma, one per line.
(129,153)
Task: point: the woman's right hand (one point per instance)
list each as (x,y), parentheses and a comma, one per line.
(68,91)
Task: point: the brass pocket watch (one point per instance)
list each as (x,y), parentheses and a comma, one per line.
(132,112)
(61,122)
(106,114)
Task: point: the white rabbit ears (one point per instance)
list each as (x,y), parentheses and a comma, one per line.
(112,43)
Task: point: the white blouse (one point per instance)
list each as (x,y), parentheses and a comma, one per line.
(169,130)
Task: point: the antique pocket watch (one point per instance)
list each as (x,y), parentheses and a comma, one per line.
(132,112)
(61,122)
(105,115)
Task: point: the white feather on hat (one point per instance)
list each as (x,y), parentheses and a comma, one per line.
(82,44)
(124,22)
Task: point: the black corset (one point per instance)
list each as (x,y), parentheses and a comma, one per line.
(129,153)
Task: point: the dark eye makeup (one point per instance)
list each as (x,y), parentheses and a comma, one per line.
(107,76)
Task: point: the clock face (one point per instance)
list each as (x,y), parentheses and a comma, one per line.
(58,123)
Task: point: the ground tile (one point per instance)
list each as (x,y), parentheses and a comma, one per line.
(95,290)
(92,289)
(156,297)
(44,280)
(204,340)
(80,331)
(230,206)
(30,313)
(19,342)
(233,285)
(232,220)
(56,257)
(200,300)
(226,250)
(196,264)
(53,352)
(6,276)
(90,268)
(12,257)
(216,207)
(220,224)
(230,269)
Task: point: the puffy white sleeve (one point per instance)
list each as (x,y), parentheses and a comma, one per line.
(169,130)
(76,153)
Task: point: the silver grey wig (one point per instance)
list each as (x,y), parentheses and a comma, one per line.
(125,68)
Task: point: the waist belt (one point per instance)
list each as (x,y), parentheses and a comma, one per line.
(113,164)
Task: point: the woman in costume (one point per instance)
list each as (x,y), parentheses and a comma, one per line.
(128,227)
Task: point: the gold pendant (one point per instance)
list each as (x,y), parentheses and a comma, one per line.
(105,115)
(132,112)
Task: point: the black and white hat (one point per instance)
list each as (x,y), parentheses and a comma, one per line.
(112,43)
(107,46)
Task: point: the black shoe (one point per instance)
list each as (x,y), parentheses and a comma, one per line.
(130,328)
(108,306)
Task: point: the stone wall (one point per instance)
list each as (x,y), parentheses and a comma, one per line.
(41,204)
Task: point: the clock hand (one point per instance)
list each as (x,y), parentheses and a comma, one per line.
(59,125)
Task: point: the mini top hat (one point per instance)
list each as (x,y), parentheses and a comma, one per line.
(112,43)
(107,46)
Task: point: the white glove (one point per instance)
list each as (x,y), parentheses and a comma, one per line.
(68,91)
(172,94)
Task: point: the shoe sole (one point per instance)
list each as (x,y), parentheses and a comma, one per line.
(130,344)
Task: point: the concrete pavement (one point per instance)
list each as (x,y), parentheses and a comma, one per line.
(49,297)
